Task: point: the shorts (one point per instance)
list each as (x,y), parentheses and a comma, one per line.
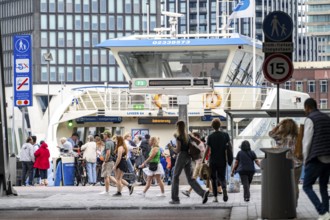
(107,168)
(197,170)
(123,165)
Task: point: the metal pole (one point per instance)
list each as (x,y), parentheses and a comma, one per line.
(278,103)
(148,15)
(48,74)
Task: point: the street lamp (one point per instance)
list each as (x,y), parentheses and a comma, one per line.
(48,57)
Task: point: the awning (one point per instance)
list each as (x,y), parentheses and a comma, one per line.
(76,114)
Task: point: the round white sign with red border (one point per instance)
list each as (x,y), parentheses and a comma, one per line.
(277,68)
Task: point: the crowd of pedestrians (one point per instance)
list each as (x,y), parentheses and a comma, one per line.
(113,156)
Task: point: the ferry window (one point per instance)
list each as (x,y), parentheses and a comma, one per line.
(323,103)
(299,86)
(311,86)
(323,86)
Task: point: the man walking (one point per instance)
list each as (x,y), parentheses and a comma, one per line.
(221,153)
(316,150)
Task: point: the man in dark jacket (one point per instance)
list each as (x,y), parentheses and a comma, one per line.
(221,155)
(316,150)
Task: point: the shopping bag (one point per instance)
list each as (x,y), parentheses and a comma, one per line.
(234,185)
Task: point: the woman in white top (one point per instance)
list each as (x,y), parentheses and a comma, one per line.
(89,155)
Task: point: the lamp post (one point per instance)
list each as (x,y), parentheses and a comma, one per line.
(48,57)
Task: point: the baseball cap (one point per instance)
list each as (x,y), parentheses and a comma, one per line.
(107,132)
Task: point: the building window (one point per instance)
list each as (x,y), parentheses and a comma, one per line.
(78,74)
(86,6)
(87,74)
(68,5)
(95,76)
(43,19)
(299,86)
(94,22)
(103,22)
(69,74)
(311,86)
(52,22)
(69,23)
(86,22)
(323,104)
(103,6)
(77,6)
(78,59)
(111,22)
(323,86)
(287,85)
(43,6)
(78,39)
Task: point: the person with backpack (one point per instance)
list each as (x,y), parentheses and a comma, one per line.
(183,161)
(198,162)
(244,165)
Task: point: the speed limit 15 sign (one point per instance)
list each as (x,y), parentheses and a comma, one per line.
(277,68)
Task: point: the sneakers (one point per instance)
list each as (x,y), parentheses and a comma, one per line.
(225,195)
(211,194)
(174,202)
(161,195)
(186,193)
(325,216)
(117,194)
(215,199)
(104,192)
(131,189)
(246,199)
(205,196)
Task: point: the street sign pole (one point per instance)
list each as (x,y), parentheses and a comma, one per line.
(278,47)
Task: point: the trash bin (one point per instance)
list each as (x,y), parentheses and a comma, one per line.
(68,168)
(277,185)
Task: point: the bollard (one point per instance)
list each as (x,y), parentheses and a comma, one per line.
(277,185)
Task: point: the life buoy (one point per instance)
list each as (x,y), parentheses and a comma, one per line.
(157,100)
(212,100)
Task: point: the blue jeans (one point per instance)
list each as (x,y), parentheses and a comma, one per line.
(27,170)
(130,165)
(313,170)
(91,172)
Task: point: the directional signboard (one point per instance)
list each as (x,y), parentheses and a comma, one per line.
(277,68)
(22,70)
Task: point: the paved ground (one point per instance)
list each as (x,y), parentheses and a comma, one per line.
(31,201)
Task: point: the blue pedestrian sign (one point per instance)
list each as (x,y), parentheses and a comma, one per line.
(277,26)
(22,82)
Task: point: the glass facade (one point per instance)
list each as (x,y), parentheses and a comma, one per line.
(70,29)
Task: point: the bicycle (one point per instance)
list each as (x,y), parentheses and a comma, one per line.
(80,172)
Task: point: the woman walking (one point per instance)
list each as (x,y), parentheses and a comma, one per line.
(285,135)
(89,155)
(121,164)
(244,165)
(183,161)
(42,162)
(155,168)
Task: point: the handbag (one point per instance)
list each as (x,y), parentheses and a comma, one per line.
(153,166)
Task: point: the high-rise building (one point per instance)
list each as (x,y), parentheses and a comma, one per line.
(207,16)
(69,29)
(318,24)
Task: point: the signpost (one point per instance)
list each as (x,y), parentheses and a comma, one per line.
(22,70)
(278,47)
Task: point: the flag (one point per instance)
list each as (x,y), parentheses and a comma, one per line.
(244,9)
